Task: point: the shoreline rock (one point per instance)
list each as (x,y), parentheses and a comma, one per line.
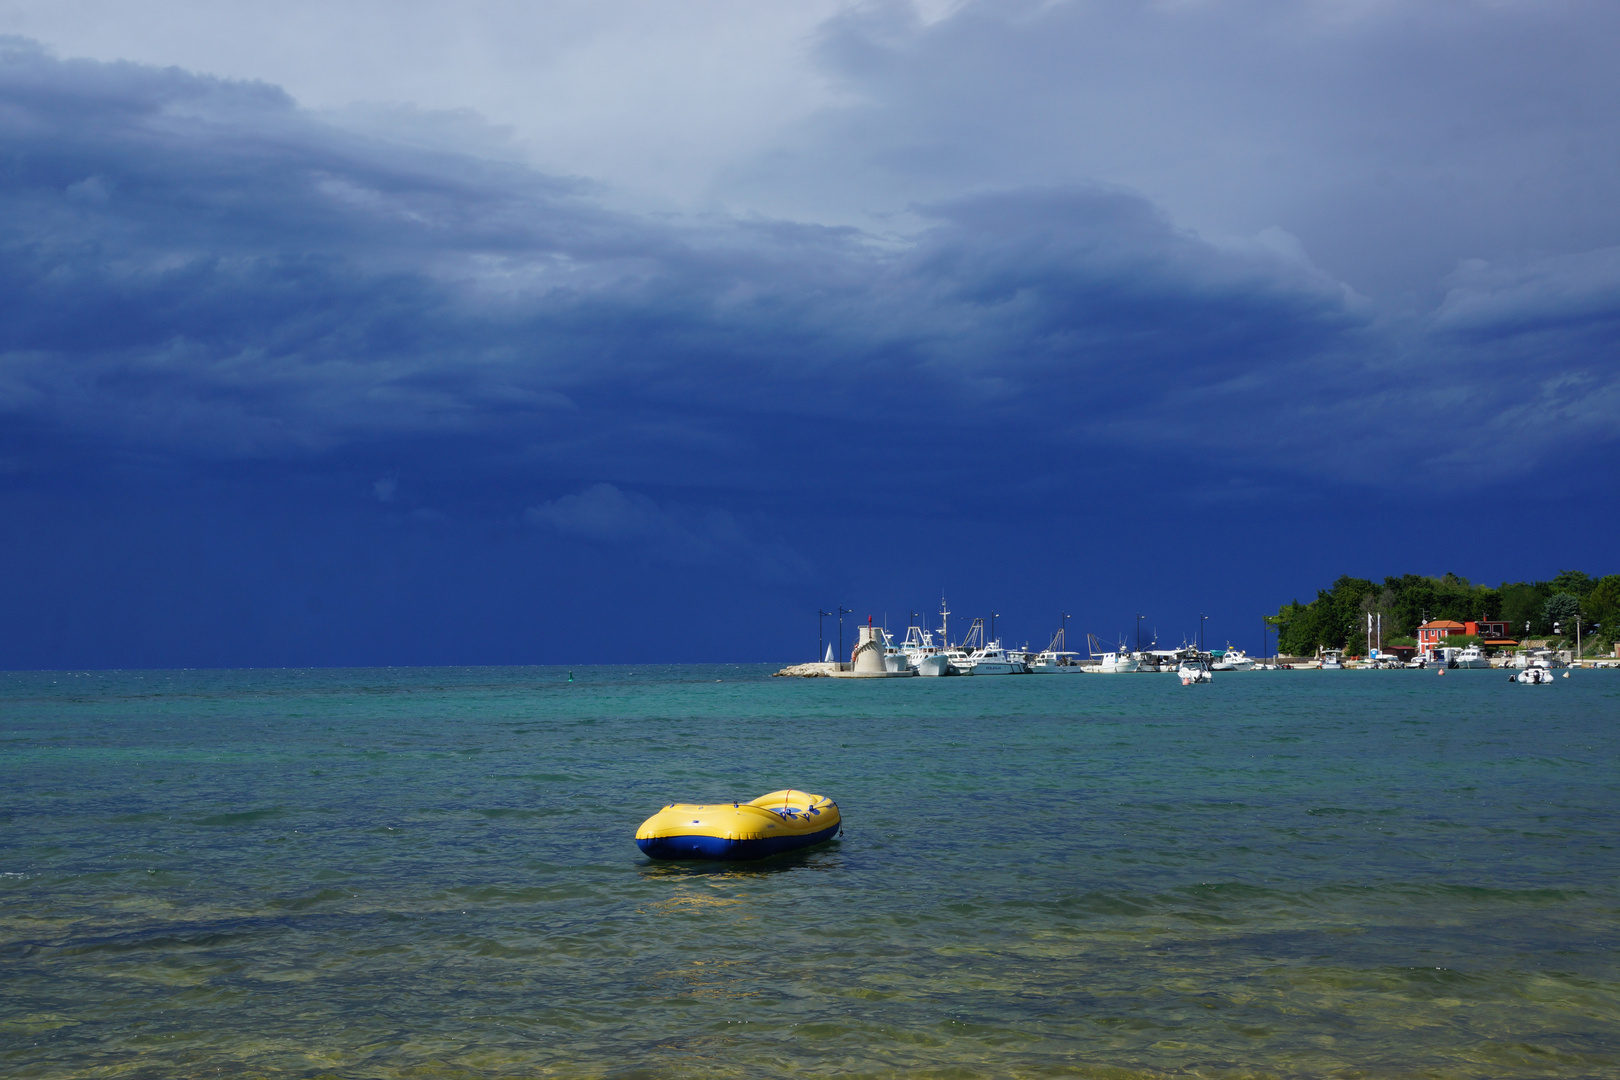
(820,670)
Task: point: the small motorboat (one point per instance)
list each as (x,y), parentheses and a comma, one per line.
(1535,676)
(1194,671)
(771,824)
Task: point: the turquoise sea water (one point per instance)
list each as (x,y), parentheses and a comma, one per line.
(431,873)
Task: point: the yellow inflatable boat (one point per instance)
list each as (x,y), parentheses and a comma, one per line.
(780,821)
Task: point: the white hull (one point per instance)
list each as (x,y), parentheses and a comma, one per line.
(932,665)
(873,674)
(1053,661)
(991,667)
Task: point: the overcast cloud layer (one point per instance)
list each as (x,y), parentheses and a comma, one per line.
(990,253)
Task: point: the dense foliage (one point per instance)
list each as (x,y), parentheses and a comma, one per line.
(1337,618)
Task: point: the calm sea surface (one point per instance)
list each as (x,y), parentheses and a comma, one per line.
(431,873)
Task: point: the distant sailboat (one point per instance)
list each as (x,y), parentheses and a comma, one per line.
(829,658)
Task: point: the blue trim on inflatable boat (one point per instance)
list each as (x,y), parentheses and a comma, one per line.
(718,847)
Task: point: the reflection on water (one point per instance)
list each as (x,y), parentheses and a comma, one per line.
(823,857)
(432,874)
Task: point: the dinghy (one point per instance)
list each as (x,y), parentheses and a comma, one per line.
(771,824)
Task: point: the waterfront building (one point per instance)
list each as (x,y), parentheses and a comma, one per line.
(1431,635)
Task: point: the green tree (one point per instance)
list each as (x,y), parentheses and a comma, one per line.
(1414,599)
(1560,611)
(1299,627)
(1602,606)
(1522,603)
(1337,618)
(1574,582)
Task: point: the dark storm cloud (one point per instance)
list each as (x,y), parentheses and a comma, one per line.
(198,268)
(1395,138)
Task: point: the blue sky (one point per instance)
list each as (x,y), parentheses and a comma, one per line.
(495,333)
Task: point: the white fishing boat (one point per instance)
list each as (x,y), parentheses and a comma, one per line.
(922,654)
(1471,656)
(894,657)
(1169,660)
(994,660)
(1232,660)
(1054,660)
(1118,662)
(1332,660)
(975,656)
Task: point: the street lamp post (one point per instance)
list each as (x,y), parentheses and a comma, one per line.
(821,649)
(1139,631)
(993,615)
(1201,620)
(842,611)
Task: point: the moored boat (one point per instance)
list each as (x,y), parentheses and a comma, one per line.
(769,825)
(976,656)
(1232,660)
(1194,671)
(1117,662)
(922,654)
(925,655)
(993,660)
(1055,659)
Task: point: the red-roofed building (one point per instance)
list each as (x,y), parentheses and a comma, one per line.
(1431,634)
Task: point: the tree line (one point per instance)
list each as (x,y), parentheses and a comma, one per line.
(1337,618)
